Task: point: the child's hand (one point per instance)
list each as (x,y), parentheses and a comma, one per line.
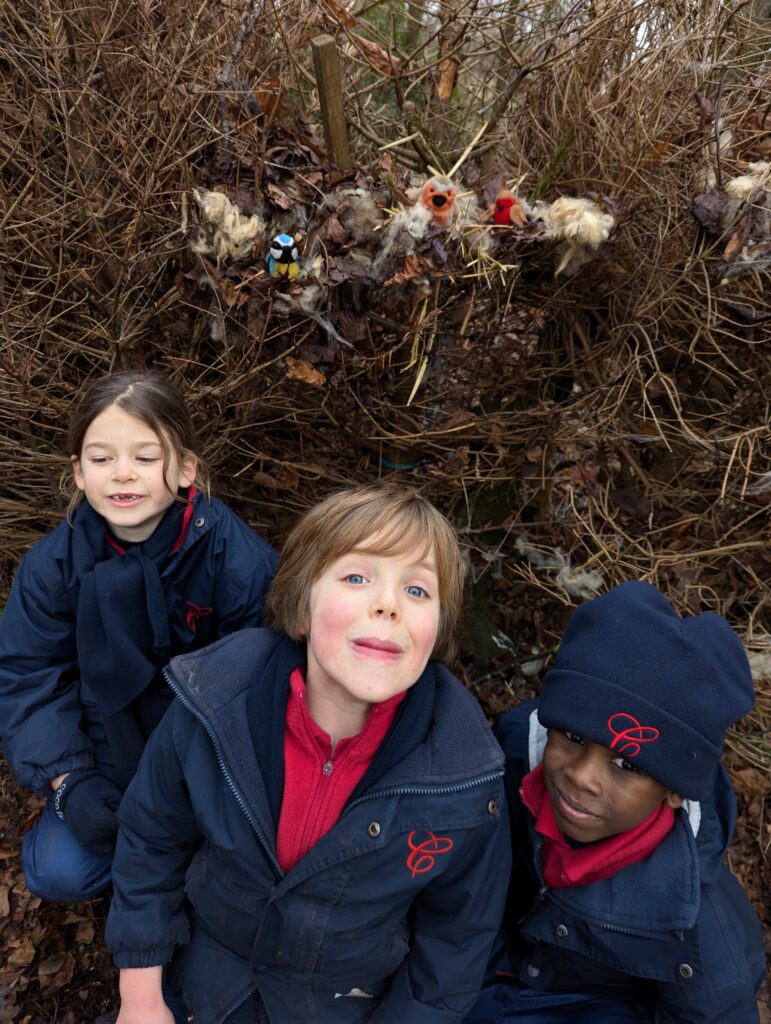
(141,997)
(86,802)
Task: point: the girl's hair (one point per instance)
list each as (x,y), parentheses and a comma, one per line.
(384,519)
(151,398)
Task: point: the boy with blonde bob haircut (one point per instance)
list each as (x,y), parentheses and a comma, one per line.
(315,830)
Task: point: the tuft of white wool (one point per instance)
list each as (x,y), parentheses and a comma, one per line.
(359,214)
(232,234)
(578,220)
(579,224)
(416,221)
(760,664)
(401,236)
(745,185)
(575,581)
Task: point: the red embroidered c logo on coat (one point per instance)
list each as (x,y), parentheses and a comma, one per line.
(422,855)
(193,613)
(629,735)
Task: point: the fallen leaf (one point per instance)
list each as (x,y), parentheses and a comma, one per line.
(22,952)
(413,268)
(298,369)
(377,58)
(340,14)
(734,246)
(51,965)
(706,209)
(633,501)
(270,95)
(280,198)
(85,932)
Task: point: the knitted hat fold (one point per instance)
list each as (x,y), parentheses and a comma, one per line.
(658,690)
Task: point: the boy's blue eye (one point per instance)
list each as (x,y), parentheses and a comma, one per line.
(355,577)
(147,459)
(415,591)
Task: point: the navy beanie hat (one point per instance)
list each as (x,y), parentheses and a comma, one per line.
(633,676)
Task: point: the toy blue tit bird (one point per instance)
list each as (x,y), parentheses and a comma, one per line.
(283,259)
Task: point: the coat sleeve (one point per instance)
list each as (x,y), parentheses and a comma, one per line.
(41,717)
(246,567)
(157,838)
(454,923)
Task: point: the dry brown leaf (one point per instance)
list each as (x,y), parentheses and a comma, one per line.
(333,231)
(232,294)
(341,15)
(298,369)
(279,197)
(412,268)
(22,951)
(270,97)
(734,246)
(85,932)
(51,965)
(5,907)
(377,58)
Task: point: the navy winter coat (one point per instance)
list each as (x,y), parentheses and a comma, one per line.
(388,918)
(674,934)
(214,584)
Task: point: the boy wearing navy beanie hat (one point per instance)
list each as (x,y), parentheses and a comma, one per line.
(620,908)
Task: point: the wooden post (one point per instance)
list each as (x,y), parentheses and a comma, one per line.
(330,86)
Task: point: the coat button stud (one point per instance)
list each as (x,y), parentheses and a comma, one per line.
(562,931)
(200,521)
(492,807)
(685,971)
(373,829)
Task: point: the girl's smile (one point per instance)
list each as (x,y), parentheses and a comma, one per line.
(121,471)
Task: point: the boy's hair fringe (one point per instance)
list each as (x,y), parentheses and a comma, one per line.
(152,399)
(382,518)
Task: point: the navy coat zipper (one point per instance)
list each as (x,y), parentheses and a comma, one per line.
(459,787)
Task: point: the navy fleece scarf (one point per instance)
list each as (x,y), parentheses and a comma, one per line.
(122,623)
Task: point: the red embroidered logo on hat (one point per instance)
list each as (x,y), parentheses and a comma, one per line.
(193,613)
(423,855)
(629,735)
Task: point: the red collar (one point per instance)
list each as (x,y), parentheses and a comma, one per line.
(563,865)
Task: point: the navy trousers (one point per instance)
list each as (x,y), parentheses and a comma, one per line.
(56,867)
(509,1001)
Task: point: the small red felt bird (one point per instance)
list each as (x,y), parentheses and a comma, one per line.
(438,196)
(509,211)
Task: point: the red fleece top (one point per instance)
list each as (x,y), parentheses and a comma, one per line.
(565,866)
(317,785)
